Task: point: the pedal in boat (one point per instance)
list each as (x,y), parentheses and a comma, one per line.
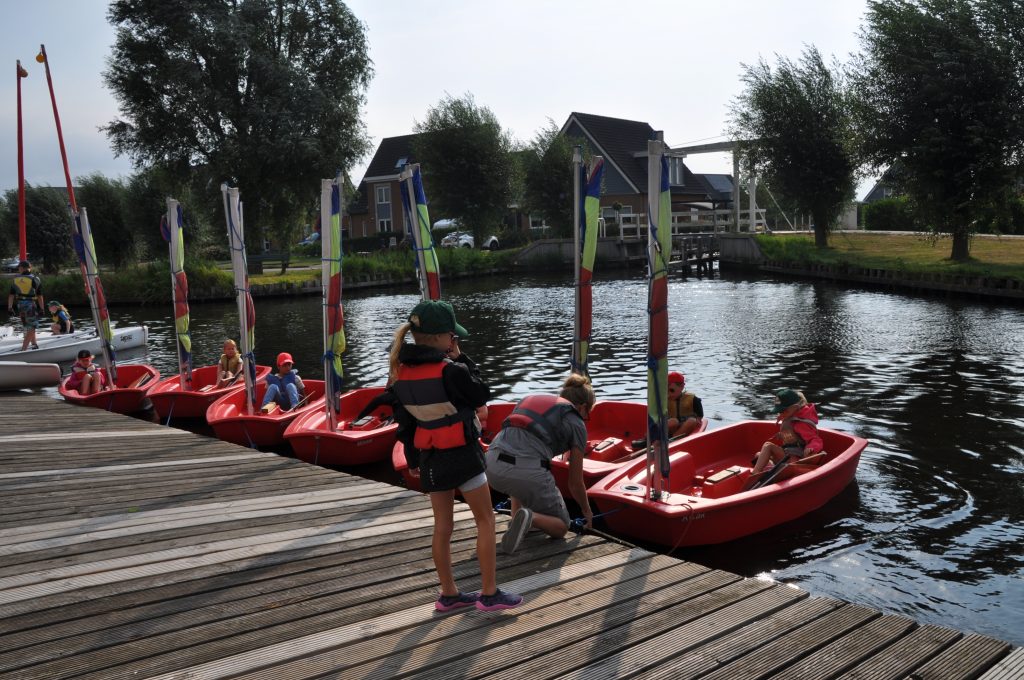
(354,442)
(18,375)
(706,502)
(231,423)
(170,401)
(128,396)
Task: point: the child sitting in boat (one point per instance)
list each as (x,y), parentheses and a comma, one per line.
(684,408)
(85,377)
(798,430)
(285,387)
(230,364)
(62,323)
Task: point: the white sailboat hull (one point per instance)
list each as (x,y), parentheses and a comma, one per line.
(17,375)
(54,348)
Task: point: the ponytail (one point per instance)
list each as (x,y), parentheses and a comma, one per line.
(396,346)
(577,389)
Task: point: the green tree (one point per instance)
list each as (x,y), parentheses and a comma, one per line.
(145,204)
(104,198)
(940,92)
(47,225)
(798,134)
(264,94)
(547,178)
(467,163)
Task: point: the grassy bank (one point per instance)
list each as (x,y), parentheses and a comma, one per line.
(150,283)
(991,256)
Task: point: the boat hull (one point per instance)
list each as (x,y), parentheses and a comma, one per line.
(56,348)
(170,401)
(17,375)
(122,399)
(349,444)
(231,423)
(706,503)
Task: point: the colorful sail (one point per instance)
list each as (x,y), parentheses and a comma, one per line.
(588,206)
(171,228)
(334,313)
(243,298)
(417,220)
(659,249)
(86,251)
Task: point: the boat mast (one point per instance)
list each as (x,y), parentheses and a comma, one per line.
(331,202)
(417,218)
(179,292)
(577,180)
(22,241)
(246,312)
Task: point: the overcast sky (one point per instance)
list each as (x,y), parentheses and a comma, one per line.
(674,64)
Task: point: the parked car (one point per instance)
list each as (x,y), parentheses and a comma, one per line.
(10,265)
(463,239)
(310,240)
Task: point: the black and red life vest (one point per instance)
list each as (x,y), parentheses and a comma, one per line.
(439,424)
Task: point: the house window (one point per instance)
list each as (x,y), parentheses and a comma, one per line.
(536,222)
(676,174)
(383,208)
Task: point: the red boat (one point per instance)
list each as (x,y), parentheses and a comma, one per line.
(611,429)
(496,414)
(354,442)
(231,423)
(706,502)
(128,396)
(169,400)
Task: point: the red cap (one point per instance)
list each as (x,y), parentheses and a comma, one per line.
(676,377)
(284,357)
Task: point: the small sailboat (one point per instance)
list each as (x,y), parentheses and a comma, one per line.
(236,416)
(190,393)
(335,434)
(18,375)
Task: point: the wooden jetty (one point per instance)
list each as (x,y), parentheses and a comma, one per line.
(132,550)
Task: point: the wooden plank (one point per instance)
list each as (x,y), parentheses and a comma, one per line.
(897,660)
(389,623)
(1010,668)
(81,434)
(965,659)
(848,650)
(681,660)
(135,466)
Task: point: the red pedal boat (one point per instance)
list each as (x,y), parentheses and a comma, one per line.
(231,423)
(706,502)
(354,442)
(128,396)
(170,401)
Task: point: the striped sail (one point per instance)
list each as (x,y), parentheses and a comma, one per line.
(417,220)
(334,313)
(171,227)
(246,311)
(587,213)
(659,249)
(86,251)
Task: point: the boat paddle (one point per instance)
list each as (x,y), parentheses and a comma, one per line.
(766,477)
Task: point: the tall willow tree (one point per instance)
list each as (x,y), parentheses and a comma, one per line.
(798,135)
(264,94)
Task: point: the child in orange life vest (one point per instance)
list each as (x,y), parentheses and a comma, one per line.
(85,377)
(230,364)
(798,430)
(438,391)
(684,408)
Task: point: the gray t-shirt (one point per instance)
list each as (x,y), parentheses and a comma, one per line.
(518,441)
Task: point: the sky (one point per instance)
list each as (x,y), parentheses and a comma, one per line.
(675,64)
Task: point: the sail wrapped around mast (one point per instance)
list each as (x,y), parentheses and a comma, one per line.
(171,228)
(417,219)
(334,314)
(85,249)
(659,250)
(243,298)
(587,213)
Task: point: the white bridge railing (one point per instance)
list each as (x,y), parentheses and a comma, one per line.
(635,226)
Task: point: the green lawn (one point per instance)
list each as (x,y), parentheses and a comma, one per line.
(991,256)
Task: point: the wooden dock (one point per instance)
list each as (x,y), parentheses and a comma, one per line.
(132,550)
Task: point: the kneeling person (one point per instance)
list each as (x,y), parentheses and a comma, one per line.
(541,427)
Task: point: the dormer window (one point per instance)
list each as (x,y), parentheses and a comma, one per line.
(401,162)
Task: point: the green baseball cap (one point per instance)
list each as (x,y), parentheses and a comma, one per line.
(434,317)
(785,398)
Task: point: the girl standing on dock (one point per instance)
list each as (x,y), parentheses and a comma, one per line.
(439,392)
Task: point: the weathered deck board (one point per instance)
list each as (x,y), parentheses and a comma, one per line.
(142,551)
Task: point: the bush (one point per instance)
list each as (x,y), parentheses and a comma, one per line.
(890,214)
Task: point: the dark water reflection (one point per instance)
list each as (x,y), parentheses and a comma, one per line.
(932,528)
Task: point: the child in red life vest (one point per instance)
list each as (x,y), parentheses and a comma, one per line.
(798,430)
(85,377)
(439,390)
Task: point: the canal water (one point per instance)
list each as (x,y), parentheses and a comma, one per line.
(933,526)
